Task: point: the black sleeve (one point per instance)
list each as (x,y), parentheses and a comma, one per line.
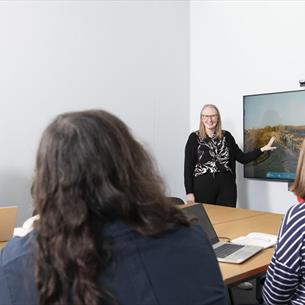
(190,158)
(238,154)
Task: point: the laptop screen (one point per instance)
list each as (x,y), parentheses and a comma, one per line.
(203,220)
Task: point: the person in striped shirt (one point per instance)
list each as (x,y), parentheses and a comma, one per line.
(285,279)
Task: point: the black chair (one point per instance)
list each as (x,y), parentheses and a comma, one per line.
(176,200)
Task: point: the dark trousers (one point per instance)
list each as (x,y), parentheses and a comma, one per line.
(219,189)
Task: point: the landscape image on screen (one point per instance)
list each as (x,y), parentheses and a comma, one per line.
(281,115)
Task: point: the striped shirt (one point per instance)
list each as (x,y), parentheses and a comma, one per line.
(285,280)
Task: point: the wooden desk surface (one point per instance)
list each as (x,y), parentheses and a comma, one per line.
(219,214)
(266,223)
(261,222)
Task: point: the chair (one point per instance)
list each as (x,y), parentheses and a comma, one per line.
(176,200)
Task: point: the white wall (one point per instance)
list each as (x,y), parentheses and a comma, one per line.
(246,47)
(132,58)
(129,57)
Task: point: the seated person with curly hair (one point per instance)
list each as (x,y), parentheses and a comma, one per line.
(107,234)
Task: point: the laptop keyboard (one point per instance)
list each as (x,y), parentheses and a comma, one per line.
(226,249)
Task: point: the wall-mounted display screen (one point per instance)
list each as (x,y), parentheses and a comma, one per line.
(280,114)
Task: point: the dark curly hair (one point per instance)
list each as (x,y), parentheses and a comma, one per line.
(90,171)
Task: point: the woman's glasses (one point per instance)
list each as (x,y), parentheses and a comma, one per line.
(212,116)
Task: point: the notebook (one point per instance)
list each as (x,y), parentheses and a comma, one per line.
(7,222)
(225,251)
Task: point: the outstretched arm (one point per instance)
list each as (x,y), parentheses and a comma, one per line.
(247,157)
(269,146)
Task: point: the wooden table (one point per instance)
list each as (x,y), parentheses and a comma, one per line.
(219,214)
(232,223)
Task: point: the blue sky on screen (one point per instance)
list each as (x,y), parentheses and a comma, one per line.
(285,108)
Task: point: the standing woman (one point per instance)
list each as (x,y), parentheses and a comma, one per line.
(209,166)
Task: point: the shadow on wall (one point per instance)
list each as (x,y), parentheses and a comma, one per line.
(243,192)
(16,190)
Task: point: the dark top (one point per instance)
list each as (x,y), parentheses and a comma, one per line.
(192,151)
(175,268)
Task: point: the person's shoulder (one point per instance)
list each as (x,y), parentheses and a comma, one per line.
(194,134)
(191,242)
(185,235)
(295,212)
(293,225)
(193,137)
(17,248)
(226,133)
(294,219)
(228,136)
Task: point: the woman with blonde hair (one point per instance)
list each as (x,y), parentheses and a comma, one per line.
(107,234)
(285,280)
(210,157)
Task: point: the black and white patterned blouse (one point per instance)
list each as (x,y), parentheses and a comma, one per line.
(213,156)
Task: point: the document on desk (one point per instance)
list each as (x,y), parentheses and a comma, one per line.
(256,239)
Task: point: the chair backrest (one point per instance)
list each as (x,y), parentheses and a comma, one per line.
(176,200)
(7,222)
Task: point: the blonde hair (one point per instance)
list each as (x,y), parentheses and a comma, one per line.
(298,186)
(202,132)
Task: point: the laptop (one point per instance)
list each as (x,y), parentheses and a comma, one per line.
(7,222)
(225,251)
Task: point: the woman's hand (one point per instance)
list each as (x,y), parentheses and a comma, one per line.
(190,198)
(269,146)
